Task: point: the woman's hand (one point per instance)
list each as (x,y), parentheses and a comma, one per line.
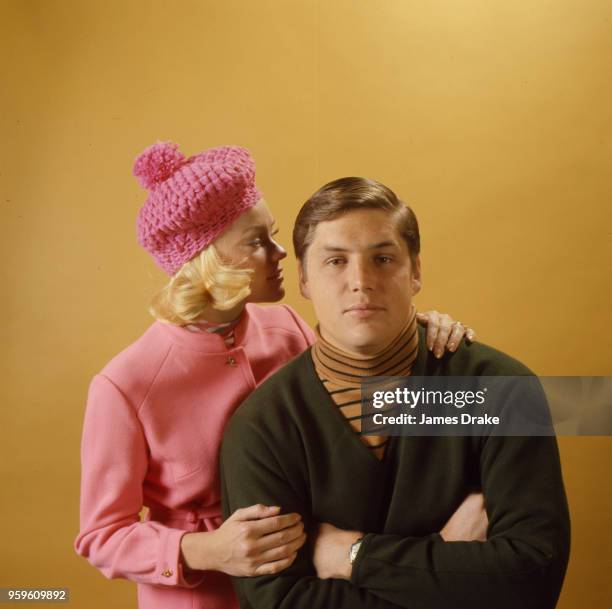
(253,541)
(469,522)
(443,332)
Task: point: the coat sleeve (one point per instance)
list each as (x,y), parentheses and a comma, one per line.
(252,473)
(114,461)
(523,561)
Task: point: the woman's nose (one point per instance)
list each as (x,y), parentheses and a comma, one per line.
(279,251)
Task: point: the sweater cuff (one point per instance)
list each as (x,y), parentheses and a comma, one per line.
(359,559)
(170,569)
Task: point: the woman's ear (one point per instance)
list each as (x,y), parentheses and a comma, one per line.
(415,282)
(303,282)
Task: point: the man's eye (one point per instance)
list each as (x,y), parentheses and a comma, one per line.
(256,242)
(335,261)
(384,259)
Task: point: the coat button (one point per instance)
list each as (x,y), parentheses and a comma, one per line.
(231,361)
(167,573)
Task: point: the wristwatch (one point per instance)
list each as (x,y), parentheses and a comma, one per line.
(354,549)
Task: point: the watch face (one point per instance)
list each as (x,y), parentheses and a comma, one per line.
(354,550)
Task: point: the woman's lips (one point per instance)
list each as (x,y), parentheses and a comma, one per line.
(278,275)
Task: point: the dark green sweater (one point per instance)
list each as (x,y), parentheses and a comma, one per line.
(288,445)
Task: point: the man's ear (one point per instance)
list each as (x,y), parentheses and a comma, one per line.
(303,282)
(415,282)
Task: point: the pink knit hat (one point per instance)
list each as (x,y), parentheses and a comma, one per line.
(191,200)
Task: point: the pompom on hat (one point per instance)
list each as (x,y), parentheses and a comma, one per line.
(191,200)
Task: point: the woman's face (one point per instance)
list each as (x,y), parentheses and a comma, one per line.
(249,242)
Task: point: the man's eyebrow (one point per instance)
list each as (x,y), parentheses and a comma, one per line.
(334,248)
(383,244)
(375,246)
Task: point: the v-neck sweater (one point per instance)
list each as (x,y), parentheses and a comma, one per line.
(288,445)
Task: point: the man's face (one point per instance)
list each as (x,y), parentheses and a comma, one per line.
(359,276)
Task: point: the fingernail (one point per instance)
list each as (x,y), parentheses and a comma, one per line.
(438,353)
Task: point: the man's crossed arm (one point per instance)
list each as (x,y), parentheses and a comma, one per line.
(331,546)
(521,564)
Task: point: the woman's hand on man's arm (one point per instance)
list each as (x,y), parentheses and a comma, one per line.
(255,540)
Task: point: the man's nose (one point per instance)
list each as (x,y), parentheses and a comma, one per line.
(361,276)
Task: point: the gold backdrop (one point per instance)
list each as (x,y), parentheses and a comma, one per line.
(493,119)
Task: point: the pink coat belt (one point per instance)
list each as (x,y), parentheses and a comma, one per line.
(206,518)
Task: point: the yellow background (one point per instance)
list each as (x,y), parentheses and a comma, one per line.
(493,119)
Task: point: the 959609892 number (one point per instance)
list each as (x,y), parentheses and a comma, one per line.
(29,595)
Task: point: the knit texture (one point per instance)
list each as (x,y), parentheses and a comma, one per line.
(191,200)
(341,374)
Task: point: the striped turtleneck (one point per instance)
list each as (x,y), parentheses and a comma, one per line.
(225,330)
(341,374)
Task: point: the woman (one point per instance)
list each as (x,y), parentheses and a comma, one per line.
(156,413)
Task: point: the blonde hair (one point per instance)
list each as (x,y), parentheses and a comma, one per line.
(205,280)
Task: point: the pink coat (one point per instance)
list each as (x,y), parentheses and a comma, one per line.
(153,426)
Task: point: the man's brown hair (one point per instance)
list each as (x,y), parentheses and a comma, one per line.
(343,195)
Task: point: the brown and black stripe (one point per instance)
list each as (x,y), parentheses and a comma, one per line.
(341,374)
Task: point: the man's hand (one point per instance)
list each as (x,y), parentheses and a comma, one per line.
(330,551)
(469,522)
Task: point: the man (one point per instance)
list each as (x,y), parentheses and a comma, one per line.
(295,442)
